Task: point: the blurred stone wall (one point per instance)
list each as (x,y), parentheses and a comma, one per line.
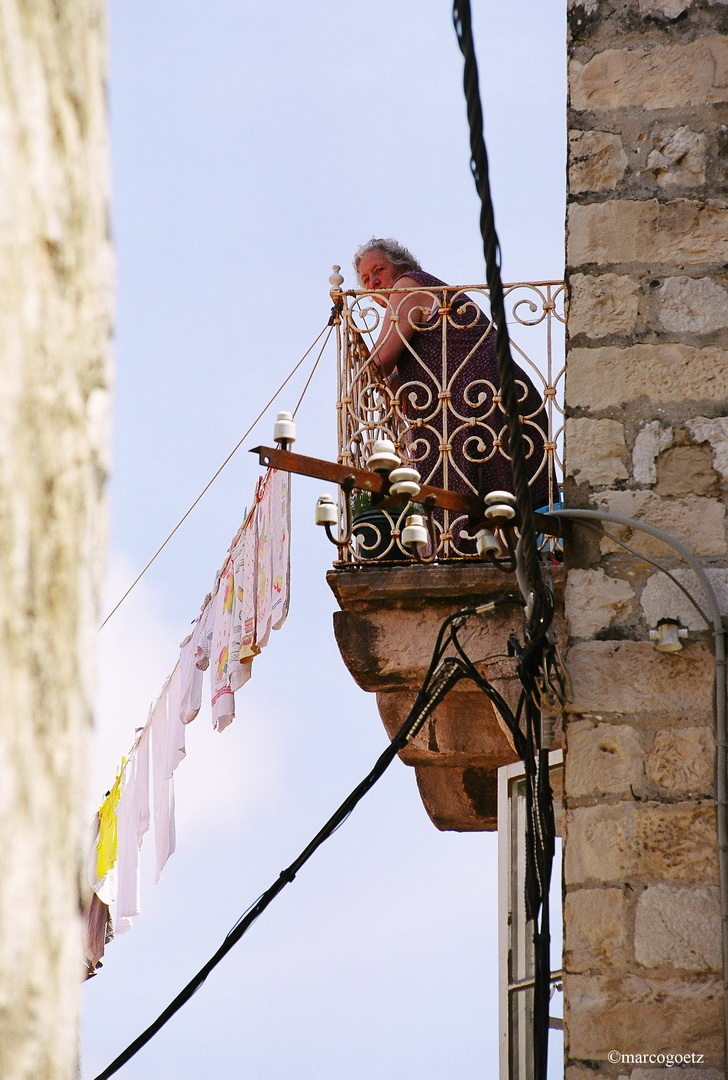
(55,284)
(647,437)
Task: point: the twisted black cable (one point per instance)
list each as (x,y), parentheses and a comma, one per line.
(441,676)
(491,251)
(525,727)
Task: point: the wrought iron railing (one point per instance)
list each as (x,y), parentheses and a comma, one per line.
(442,408)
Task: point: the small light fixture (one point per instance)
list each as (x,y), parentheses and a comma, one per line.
(326,511)
(668,635)
(383,457)
(404,481)
(284,430)
(414,533)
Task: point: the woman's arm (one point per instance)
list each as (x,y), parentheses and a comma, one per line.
(398,325)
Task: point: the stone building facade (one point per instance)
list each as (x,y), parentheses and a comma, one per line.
(646,437)
(55,271)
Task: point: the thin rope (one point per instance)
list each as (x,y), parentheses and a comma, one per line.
(313,370)
(212,480)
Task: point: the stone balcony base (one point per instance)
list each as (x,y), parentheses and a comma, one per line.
(386,631)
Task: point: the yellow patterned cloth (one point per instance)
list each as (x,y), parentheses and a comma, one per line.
(108,845)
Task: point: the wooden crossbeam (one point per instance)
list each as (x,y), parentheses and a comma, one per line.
(366,480)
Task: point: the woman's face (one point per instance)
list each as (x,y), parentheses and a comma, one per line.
(376,271)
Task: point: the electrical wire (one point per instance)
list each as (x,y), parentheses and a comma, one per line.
(232,453)
(492,253)
(720,702)
(442,675)
(313,369)
(641,555)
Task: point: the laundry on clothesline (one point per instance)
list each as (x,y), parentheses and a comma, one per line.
(249,598)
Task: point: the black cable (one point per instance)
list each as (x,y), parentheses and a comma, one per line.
(525,727)
(441,676)
(491,251)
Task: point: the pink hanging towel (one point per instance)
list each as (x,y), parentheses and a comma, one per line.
(274,572)
(221,620)
(242,639)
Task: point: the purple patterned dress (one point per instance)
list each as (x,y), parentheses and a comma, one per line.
(449,395)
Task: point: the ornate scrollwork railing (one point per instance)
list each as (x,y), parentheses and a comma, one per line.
(442,407)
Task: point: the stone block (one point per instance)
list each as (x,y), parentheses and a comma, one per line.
(390,648)
(603,759)
(678,157)
(679,928)
(651,440)
(667,374)
(652,76)
(669,9)
(631,678)
(602,304)
(595,451)
(593,601)
(683,760)
(692,305)
(686,470)
(641,841)
(647,233)
(715,432)
(644,1014)
(695,1072)
(595,929)
(587,1072)
(661,598)
(463,800)
(597,161)
(463,730)
(697,522)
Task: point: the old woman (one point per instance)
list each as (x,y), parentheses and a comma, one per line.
(436,352)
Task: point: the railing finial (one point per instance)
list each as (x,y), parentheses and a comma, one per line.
(336,280)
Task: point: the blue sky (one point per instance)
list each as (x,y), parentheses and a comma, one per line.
(253,147)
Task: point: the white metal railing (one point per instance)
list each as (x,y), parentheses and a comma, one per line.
(442,408)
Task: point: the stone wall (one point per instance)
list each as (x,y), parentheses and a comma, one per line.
(647,437)
(55,282)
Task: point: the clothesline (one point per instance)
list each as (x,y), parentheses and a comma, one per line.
(213,478)
(249,598)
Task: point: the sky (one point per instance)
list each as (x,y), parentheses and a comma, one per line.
(253,146)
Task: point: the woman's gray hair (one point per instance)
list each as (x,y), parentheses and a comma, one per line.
(395,252)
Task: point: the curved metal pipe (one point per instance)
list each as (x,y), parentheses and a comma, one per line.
(721,727)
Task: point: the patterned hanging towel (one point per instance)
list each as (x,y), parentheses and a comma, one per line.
(108,844)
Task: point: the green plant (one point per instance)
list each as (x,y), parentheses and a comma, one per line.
(361,501)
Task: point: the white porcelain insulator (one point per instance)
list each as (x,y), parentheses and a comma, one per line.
(404,481)
(326,511)
(499,510)
(284,429)
(404,487)
(499,497)
(383,457)
(414,534)
(487,544)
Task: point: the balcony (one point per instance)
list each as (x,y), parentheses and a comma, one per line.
(445,415)
(445,419)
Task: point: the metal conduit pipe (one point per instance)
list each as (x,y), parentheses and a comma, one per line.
(721,778)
